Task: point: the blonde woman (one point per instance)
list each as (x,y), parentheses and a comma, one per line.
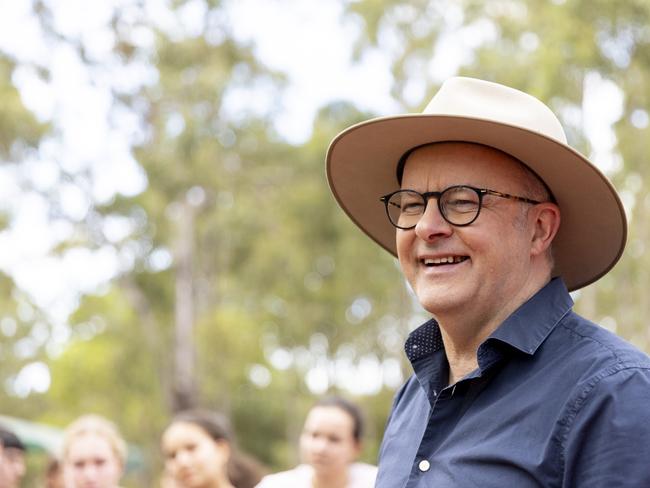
(93,454)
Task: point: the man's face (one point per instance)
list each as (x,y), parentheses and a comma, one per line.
(16,459)
(4,467)
(12,467)
(484,266)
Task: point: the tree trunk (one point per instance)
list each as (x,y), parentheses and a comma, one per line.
(184,392)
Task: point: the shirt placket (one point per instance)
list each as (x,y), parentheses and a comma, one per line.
(445,409)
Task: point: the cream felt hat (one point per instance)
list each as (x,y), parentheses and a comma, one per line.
(362,161)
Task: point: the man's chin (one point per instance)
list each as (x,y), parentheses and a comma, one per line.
(440,300)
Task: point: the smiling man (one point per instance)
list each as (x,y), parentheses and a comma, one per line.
(494,219)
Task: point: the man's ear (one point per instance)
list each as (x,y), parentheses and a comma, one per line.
(546,223)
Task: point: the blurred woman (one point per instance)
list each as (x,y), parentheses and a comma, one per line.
(330,444)
(200,452)
(93,453)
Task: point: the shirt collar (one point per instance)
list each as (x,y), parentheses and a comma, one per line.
(525,329)
(423,341)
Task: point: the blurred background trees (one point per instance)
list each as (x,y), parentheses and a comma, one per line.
(236,283)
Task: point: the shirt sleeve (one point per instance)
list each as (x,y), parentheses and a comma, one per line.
(607,441)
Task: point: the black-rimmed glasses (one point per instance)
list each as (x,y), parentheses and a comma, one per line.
(459,205)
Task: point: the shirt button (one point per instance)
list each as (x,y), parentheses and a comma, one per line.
(424,465)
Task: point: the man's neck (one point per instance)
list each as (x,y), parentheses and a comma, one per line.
(463,331)
(461,352)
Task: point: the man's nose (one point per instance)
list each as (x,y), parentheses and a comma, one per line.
(432,224)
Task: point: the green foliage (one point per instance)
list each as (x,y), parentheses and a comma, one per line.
(19,129)
(236,210)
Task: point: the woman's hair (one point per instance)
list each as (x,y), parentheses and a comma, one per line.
(243,470)
(96,425)
(348,407)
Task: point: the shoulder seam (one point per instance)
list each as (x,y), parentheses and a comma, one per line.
(613,351)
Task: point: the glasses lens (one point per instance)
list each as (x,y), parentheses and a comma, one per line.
(405,208)
(460,204)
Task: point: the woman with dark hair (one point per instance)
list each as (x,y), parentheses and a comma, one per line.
(200,452)
(330,444)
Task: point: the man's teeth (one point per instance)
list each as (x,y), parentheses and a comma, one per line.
(444,260)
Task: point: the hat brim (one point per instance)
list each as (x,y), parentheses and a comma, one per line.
(361,167)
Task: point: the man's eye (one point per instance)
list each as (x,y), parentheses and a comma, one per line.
(412,207)
(461,206)
(459,202)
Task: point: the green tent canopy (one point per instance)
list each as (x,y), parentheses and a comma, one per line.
(36,437)
(47,439)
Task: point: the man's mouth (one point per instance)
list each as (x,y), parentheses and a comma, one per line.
(443,260)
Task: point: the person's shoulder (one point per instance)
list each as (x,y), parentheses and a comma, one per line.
(603,365)
(599,345)
(295,478)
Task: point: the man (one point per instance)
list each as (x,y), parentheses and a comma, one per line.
(494,218)
(12,459)
(4,468)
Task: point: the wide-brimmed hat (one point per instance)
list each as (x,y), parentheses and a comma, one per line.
(362,162)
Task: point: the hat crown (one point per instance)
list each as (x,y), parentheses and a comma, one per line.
(480,99)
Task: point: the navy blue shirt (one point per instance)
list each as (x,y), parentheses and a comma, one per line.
(556,401)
